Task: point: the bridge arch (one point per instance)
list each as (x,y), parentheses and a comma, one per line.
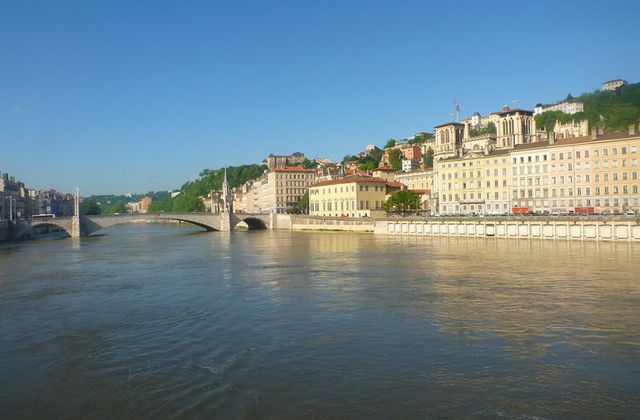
(253,223)
(94,224)
(27,230)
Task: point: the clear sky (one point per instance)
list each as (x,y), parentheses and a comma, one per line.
(131,96)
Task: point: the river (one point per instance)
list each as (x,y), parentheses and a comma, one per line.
(162,321)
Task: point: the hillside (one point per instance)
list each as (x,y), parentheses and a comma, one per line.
(610,110)
(209,179)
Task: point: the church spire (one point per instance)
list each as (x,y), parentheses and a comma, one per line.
(227,198)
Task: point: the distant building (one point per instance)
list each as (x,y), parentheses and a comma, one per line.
(409,165)
(213,202)
(15,202)
(384,172)
(272,161)
(565,106)
(173,193)
(133,207)
(144,204)
(613,84)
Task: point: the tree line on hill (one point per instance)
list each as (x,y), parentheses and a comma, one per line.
(210,179)
(611,110)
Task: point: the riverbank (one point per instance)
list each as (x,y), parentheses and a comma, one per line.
(564,228)
(601,228)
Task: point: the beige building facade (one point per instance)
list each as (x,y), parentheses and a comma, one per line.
(353,196)
(573,175)
(283,187)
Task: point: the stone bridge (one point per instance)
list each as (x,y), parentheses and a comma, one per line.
(86,225)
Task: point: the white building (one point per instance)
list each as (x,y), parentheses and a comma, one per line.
(613,84)
(564,106)
(410,165)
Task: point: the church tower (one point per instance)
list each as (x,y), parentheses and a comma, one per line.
(227,197)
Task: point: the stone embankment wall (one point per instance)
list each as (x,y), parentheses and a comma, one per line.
(6,231)
(331,223)
(570,228)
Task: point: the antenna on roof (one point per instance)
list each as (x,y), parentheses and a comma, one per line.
(515,103)
(457,108)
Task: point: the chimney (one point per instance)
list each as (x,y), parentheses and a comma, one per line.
(552,137)
(632,129)
(594,133)
(505,108)
(486,149)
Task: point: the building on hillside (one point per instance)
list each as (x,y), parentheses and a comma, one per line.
(567,107)
(133,207)
(515,126)
(272,161)
(613,84)
(410,165)
(213,202)
(449,138)
(144,204)
(412,152)
(570,129)
(353,196)
(384,172)
(283,187)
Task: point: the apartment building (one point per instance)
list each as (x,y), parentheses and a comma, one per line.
(582,174)
(283,187)
(474,183)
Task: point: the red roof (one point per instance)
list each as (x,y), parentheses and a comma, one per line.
(355,171)
(385,168)
(396,184)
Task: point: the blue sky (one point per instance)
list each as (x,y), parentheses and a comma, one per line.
(131,96)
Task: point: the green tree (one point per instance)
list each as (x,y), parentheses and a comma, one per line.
(428,158)
(90,207)
(115,208)
(309,164)
(403,201)
(161,206)
(302,206)
(621,116)
(390,143)
(349,158)
(394,159)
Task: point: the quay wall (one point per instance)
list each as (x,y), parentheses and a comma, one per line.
(570,228)
(300,222)
(6,231)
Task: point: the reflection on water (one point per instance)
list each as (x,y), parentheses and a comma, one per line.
(154,320)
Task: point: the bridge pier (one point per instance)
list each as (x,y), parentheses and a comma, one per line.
(225,222)
(76,230)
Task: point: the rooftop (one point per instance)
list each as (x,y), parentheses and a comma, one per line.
(292,169)
(349,180)
(449,123)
